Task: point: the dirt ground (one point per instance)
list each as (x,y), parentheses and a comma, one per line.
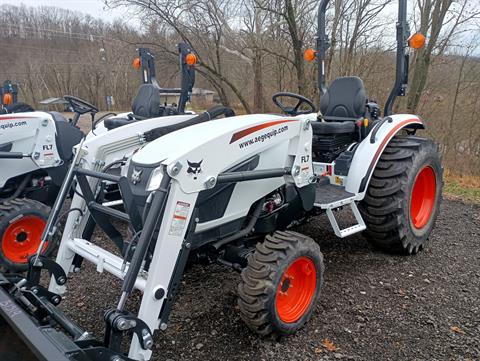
(374,306)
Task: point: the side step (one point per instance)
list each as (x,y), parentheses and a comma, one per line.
(331,197)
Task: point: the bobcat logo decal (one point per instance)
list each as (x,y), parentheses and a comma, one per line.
(194,168)
(136,176)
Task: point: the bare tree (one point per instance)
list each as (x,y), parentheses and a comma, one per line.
(434,18)
(205,26)
(296,19)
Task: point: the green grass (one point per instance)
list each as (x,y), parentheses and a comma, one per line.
(456,189)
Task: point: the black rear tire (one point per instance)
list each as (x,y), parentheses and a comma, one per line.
(393,224)
(14,253)
(265,284)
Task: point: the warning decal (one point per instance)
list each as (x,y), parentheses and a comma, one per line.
(179,219)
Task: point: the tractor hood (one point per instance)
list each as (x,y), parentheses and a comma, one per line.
(174,145)
(195,155)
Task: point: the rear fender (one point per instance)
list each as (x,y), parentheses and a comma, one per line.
(371,148)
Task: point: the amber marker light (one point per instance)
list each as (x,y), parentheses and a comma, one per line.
(309,54)
(191,59)
(7,99)
(416,41)
(137,63)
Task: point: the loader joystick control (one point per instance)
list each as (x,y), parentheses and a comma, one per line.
(293,110)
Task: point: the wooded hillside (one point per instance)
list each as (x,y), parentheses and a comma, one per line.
(249,49)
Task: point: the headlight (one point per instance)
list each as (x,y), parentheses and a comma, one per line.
(155,179)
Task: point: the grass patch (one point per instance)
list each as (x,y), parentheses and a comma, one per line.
(464,187)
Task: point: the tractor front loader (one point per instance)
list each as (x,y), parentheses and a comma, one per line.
(231,191)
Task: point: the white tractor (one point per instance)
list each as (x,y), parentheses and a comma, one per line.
(231,191)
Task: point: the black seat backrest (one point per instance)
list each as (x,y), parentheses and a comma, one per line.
(345,98)
(67,137)
(147,101)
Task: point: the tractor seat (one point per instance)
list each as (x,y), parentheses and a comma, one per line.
(145,105)
(342,105)
(67,136)
(147,102)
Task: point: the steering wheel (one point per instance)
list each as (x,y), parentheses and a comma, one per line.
(80,106)
(293,110)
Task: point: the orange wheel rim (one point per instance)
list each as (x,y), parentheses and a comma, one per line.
(296,290)
(22,238)
(423,197)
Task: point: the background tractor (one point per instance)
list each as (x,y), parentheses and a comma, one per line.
(36,151)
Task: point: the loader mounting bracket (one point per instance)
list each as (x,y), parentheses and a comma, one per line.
(36,265)
(117,323)
(32,327)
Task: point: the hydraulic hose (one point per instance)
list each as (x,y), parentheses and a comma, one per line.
(210,114)
(244,232)
(19,190)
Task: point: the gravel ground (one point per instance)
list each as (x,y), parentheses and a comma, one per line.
(374,306)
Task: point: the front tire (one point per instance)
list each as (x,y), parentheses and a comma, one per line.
(22,222)
(281,284)
(404,195)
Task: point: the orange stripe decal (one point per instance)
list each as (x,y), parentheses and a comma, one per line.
(16,118)
(382,146)
(391,133)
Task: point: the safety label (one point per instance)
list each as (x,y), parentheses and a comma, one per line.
(179,219)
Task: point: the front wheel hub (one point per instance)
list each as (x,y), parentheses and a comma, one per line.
(22,238)
(296,290)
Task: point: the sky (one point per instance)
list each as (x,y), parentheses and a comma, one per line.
(95,8)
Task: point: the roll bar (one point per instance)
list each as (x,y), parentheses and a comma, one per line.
(188,76)
(10,88)
(323,43)
(403,58)
(401,75)
(147,61)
